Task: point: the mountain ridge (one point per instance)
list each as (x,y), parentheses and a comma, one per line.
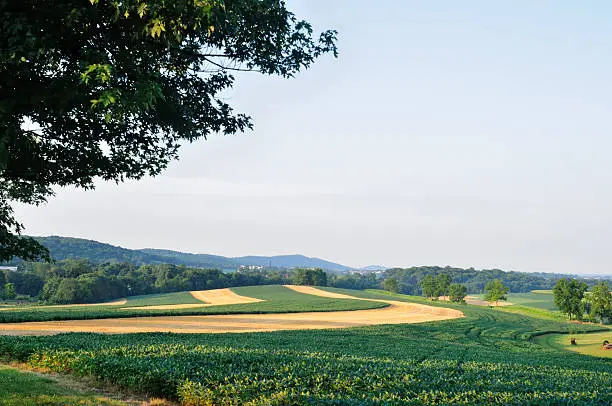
(99,252)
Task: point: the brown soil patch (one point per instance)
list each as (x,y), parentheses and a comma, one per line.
(396,313)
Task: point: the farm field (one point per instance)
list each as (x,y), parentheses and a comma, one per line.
(489,356)
(273,299)
(395,312)
(540,299)
(588,344)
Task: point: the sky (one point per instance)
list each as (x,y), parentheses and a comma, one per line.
(472,134)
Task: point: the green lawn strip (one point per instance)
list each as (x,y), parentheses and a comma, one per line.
(535,299)
(278,299)
(162,299)
(483,358)
(587,344)
(19,388)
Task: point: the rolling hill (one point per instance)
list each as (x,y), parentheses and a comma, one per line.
(98,252)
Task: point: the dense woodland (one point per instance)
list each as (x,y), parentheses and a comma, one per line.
(79,281)
(475,280)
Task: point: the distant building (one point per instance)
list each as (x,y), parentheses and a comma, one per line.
(251,267)
(8,268)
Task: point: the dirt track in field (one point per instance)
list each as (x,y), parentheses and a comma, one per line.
(396,313)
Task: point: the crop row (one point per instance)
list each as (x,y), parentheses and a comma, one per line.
(486,357)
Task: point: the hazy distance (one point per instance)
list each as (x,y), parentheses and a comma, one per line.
(447,133)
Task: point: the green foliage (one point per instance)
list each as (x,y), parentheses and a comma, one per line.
(487,357)
(443,282)
(9,291)
(391,285)
(79,281)
(310,277)
(495,291)
(568,296)
(27,389)
(428,286)
(601,302)
(457,293)
(111,89)
(475,280)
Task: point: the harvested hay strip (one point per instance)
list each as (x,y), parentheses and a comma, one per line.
(217,297)
(309,290)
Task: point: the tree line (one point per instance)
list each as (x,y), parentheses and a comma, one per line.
(573,299)
(475,281)
(79,281)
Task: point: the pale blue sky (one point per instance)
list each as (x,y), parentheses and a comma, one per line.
(472,133)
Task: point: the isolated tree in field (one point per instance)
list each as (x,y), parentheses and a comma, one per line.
(443,282)
(568,295)
(391,285)
(495,291)
(601,302)
(428,286)
(9,291)
(457,293)
(109,89)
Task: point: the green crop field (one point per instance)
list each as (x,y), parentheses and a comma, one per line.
(278,299)
(489,356)
(539,299)
(162,299)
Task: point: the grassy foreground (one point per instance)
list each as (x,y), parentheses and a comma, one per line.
(487,357)
(26,389)
(588,344)
(277,299)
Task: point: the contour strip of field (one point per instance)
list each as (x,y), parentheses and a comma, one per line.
(479,302)
(396,313)
(118,302)
(213,297)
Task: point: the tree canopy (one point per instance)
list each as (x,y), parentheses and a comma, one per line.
(495,291)
(109,89)
(457,293)
(568,294)
(601,302)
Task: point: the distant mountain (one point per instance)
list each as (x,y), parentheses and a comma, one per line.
(97,252)
(197,260)
(67,247)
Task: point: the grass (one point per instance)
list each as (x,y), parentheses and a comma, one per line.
(488,357)
(278,299)
(25,388)
(161,299)
(539,299)
(588,344)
